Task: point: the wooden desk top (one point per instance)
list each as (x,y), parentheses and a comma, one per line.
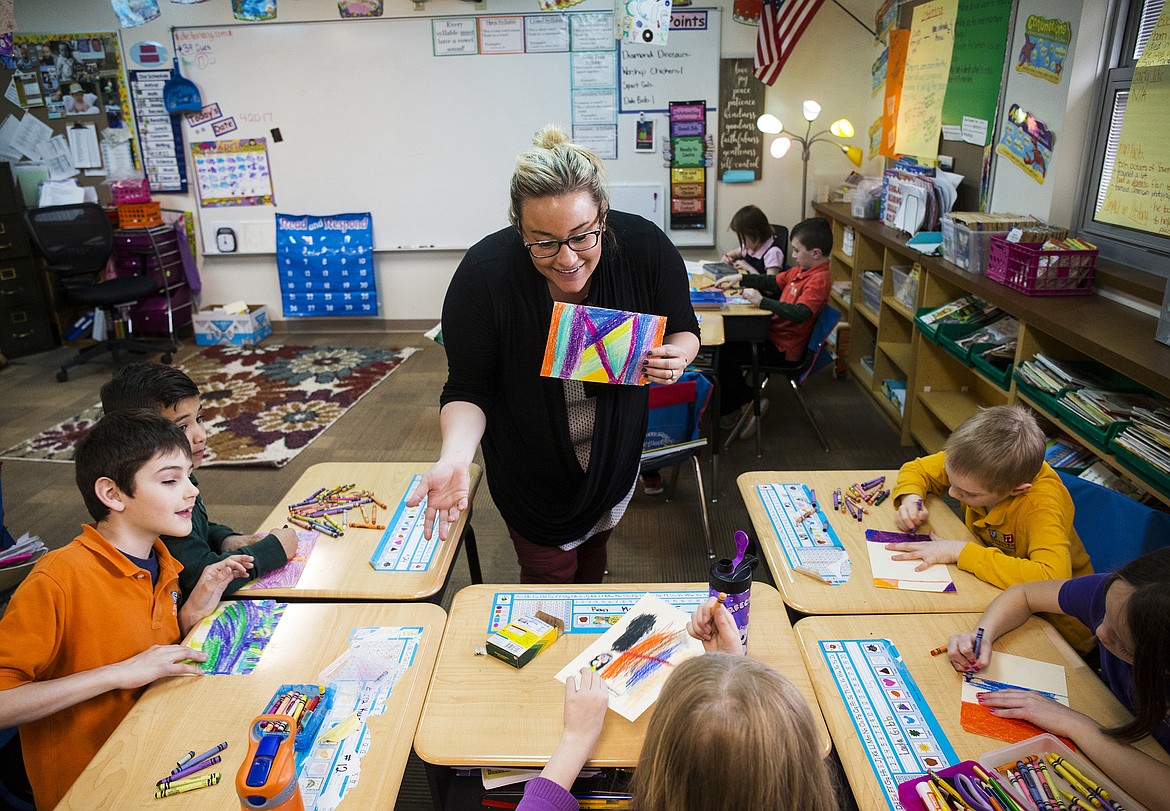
(710,328)
(480,711)
(339,568)
(940,685)
(179,714)
(859,595)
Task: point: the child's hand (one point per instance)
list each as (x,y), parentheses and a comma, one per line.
(586,700)
(288,540)
(713,625)
(728,282)
(961,650)
(1026,705)
(730,257)
(911,514)
(156,662)
(743,266)
(929,552)
(753,296)
(212,581)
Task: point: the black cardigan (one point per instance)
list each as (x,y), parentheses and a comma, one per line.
(496,318)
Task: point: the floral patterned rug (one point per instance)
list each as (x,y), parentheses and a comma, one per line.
(262,405)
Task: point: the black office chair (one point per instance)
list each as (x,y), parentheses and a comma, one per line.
(77,241)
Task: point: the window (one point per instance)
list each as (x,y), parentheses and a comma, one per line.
(1133,21)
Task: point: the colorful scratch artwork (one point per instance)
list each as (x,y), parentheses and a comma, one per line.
(900,574)
(597,345)
(894,723)
(585,613)
(1008,672)
(287,576)
(808,540)
(1027,142)
(403,548)
(1045,47)
(235,634)
(636,655)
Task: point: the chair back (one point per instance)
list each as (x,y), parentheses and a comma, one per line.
(1114,528)
(76,240)
(780,234)
(816,357)
(676,410)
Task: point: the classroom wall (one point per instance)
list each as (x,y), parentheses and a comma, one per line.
(831,64)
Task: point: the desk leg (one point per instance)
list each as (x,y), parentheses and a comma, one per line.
(756,396)
(439,780)
(472,552)
(714,413)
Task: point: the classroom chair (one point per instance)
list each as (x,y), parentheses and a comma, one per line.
(676,411)
(816,357)
(780,233)
(1114,528)
(77,242)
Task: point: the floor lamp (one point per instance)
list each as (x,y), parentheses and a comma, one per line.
(841,128)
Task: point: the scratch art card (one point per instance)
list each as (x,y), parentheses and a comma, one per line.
(599,345)
(806,537)
(403,548)
(1026,142)
(1045,48)
(635,656)
(235,635)
(585,613)
(1007,672)
(901,736)
(900,574)
(286,576)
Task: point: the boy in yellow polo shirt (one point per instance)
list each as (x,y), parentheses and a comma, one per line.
(1014,503)
(99,619)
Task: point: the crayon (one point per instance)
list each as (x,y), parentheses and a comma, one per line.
(970,674)
(219,747)
(941,649)
(185,759)
(167,792)
(188,770)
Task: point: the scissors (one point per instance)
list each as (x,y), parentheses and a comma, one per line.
(973,794)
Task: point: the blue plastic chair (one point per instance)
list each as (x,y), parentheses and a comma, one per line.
(1114,528)
(676,411)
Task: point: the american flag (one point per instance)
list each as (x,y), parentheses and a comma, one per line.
(782,23)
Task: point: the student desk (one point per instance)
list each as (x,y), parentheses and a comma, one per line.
(482,712)
(859,595)
(177,715)
(339,568)
(940,684)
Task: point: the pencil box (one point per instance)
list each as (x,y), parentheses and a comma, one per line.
(308,731)
(1044,744)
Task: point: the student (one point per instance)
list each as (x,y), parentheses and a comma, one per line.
(1130,614)
(795,298)
(98,620)
(728,733)
(758,251)
(174,395)
(1014,503)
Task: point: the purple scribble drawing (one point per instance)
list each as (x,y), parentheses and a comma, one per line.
(287,576)
(238,635)
(884,536)
(599,345)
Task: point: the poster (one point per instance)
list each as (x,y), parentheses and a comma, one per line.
(899,40)
(924,85)
(981,31)
(159,132)
(645,21)
(1045,48)
(1027,142)
(741,100)
(232,173)
(326,264)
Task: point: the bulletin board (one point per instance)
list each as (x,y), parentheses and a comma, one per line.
(364,116)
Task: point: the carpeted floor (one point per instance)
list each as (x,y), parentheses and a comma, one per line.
(398,421)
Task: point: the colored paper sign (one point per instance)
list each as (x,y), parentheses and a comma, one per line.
(1008,672)
(1026,142)
(899,41)
(597,345)
(1045,47)
(981,32)
(924,86)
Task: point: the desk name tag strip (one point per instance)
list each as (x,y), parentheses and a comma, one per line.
(586,613)
(333,769)
(403,547)
(901,736)
(811,546)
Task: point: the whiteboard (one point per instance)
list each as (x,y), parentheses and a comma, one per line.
(369,118)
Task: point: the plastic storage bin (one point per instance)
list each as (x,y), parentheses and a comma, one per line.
(905,285)
(139,215)
(871,289)
(1026,267)
(1045,744)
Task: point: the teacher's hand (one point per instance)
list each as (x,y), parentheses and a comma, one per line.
(445,487)
(665,364)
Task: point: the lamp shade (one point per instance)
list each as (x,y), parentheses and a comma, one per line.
(842,128)
(811,110)
(853,153)
(769,123)
(781,146)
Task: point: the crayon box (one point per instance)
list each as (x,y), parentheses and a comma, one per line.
(524,637)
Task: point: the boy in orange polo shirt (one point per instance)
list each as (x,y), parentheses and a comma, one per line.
(99,619)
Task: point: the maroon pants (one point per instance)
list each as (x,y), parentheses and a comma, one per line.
(551,564)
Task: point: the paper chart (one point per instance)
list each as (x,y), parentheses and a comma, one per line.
(810,546)
(1008,672)
(593,613)
(235,635)
(403,547)
(900,574)
(287,576)
(901,736)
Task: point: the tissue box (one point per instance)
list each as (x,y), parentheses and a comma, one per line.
(242,329)
(524,637)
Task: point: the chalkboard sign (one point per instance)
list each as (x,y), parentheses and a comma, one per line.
(741,100)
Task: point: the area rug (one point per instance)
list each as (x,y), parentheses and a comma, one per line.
(261,405)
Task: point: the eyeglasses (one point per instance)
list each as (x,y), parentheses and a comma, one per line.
(548,248)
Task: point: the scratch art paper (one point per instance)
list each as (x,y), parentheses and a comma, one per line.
(235,634)
(636,655)
(1007,672)
(900,574)
(288,575)
(597,345)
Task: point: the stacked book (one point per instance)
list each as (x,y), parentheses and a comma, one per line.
(999,337)
(1148,436)
(708,299)
(843,290)
(1051,375)
(1060,454)
(963,310)
(1103,408)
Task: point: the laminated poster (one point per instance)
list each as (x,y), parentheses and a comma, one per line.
(359,8)
(254,10)
(232,172)
(1045,47)
(1027,142)
(597,345)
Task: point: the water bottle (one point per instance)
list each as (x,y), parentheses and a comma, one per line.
(735,581)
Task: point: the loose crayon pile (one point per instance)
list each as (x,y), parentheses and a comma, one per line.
(1032,778)
(183,778)
(296,704)
(858,497)
(328,509)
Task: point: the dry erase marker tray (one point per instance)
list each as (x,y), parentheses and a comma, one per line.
(1042,745)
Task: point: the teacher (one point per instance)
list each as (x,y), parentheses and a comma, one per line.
(561,456)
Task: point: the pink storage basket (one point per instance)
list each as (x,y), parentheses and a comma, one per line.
(1025,267)
(130,190)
